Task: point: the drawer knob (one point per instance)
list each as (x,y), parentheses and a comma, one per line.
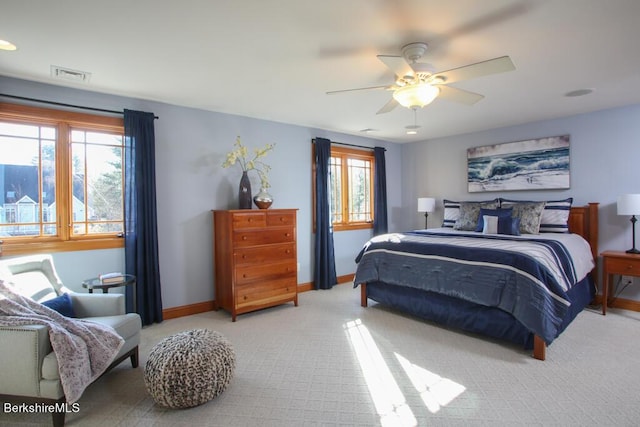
(281,219)
(245,297)
(288,234)
(288,251)
(244,237)
(629,267)
(244,257)
(244,276)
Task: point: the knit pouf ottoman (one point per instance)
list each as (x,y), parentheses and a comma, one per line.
(189,368)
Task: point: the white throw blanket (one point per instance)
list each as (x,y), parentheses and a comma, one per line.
(84,349)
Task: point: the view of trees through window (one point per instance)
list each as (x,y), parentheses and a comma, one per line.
(97,182)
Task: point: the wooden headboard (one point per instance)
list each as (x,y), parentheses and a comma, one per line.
(583,220)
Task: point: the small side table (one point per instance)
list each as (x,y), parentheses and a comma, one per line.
(96,283)
(621,263)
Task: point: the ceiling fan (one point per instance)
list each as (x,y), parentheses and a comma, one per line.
(417,84)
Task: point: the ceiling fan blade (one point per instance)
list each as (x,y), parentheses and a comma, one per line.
(492,19)
(479,69)
(397,64)
(458,95)
(388,106)
(333,92)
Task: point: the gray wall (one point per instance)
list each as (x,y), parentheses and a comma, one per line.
(190,147)
(191,143)
(605,148)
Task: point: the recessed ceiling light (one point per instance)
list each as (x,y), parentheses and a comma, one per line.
(7,45)
(368,130)
(578,92)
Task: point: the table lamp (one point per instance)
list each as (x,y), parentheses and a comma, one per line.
(629,204)
(426,205)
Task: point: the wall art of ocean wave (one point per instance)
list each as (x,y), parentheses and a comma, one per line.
(540,169)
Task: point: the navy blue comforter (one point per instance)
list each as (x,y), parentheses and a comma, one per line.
(526,277)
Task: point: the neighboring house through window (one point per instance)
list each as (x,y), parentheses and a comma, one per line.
(61,177)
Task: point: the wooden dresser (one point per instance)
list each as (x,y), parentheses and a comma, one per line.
(255,256)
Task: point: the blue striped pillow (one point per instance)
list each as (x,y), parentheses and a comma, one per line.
(555,215)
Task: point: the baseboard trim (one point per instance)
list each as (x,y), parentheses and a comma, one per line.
(187,310)
(304,287)
(202,307)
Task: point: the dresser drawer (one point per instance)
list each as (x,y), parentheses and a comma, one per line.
(264,254)
(280,218)
(251,273)
(265,293)
(622,266)
(249,220)
(264,236)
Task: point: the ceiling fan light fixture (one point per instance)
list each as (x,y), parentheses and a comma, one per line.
(414,96)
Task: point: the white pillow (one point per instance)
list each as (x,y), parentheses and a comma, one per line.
(490,224)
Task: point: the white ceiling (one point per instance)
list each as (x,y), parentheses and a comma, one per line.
(275,59)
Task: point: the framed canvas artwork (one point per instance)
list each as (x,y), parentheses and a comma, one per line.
(535,164)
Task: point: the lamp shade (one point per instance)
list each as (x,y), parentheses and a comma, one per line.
(426,204)
(417,95)
(629,204)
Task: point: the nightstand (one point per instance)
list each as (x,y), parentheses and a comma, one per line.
(614,262)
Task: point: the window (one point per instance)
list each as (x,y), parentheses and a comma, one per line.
(61,177)
(351,178)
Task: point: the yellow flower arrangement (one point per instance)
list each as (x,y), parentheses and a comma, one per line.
(240,155)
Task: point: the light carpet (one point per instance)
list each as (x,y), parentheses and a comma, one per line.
(330,362)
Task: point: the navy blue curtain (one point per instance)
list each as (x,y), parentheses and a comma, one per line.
(380,225)
(141,230)
(324,276)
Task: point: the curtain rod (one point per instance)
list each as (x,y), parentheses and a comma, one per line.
(42,101)
(350,145)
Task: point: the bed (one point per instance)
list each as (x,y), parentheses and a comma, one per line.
(525,289)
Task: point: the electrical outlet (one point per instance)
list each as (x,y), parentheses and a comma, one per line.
(626,279)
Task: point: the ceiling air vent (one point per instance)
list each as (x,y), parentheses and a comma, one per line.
(70,75)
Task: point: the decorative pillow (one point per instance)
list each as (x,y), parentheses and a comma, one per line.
(510,226)
(489,224)
(452,210)
(530,214)
(500,213)
(501,225)
(61,304)
(469,214)
(555,216)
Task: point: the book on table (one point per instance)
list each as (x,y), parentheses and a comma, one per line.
(115,277)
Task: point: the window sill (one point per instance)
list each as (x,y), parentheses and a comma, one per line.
(24,248)
(348,227)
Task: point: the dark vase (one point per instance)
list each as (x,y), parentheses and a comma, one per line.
(244,192)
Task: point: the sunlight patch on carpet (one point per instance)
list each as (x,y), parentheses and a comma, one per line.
(388,399)
(434,390)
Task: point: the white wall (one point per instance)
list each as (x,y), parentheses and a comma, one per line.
(605,156)
(190,147)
